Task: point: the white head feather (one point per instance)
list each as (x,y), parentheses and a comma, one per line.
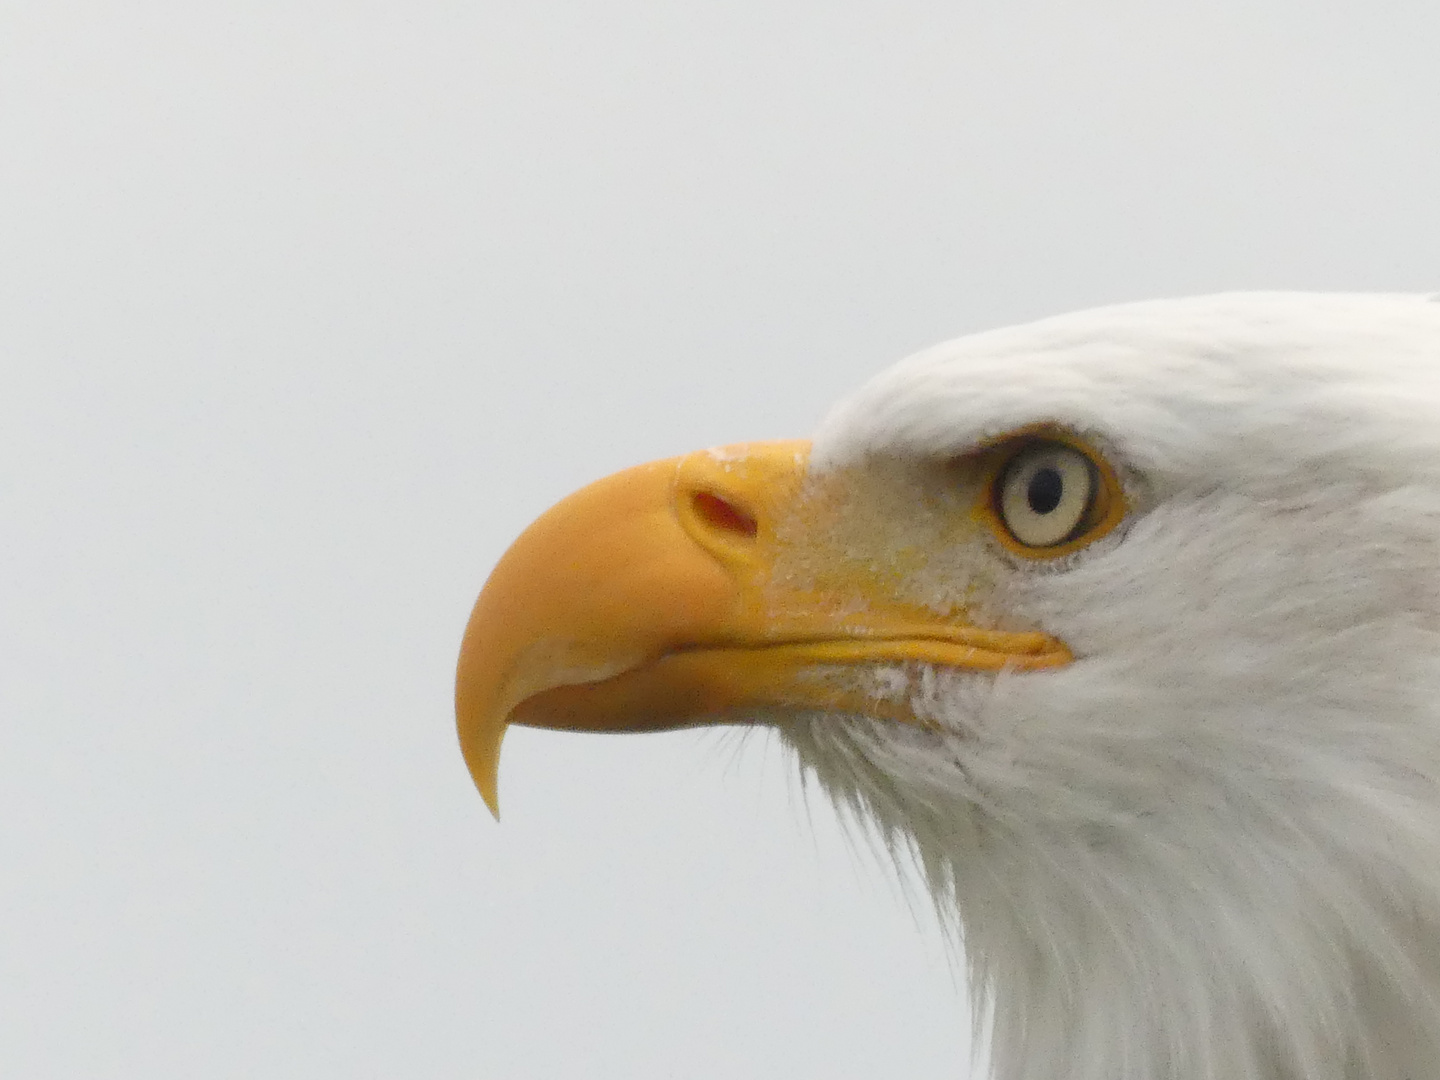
(1211,847)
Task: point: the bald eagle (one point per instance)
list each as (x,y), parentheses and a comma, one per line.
(1125,623)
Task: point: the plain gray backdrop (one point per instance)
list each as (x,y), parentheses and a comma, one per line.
(306,309)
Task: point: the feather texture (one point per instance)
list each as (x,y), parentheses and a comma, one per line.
(1210,848)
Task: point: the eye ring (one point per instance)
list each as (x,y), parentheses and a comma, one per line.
(1050,494)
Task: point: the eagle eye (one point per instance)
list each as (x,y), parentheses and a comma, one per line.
(1050,496)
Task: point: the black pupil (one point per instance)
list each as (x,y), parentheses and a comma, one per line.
(1044,490)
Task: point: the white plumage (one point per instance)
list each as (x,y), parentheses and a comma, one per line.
(1209,848)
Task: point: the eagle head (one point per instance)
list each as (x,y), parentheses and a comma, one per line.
(1125,625)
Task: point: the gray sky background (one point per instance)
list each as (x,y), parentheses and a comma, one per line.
(306,309)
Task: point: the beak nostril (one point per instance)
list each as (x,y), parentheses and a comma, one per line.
(723,515)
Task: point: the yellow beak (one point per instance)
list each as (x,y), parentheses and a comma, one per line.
(655,598)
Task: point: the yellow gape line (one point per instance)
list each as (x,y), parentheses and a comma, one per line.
(651,599)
